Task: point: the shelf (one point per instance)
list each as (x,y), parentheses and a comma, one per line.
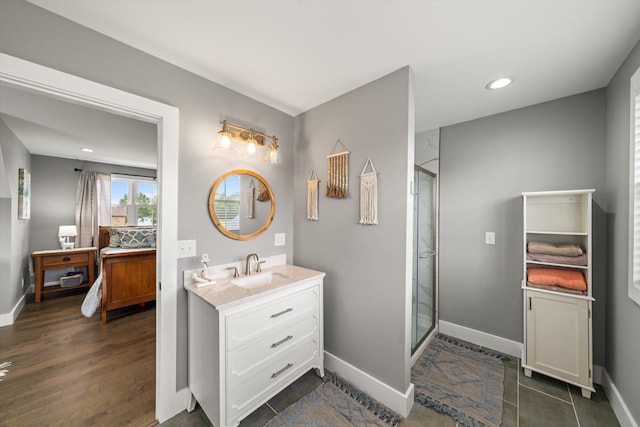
(561,233)
(58,288)
(552,292)
(551,264)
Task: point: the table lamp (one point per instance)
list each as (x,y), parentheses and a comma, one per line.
(64,233)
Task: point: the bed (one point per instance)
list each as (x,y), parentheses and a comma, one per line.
(127,271)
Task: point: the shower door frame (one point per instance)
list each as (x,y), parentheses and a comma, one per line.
(434,295)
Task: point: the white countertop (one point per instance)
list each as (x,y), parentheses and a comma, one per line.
(224,293)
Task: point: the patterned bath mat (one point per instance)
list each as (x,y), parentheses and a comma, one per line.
(335,403)
(458,380)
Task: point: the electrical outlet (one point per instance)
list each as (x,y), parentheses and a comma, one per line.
(490,238)
(186,248)
(22,282)
(280,239)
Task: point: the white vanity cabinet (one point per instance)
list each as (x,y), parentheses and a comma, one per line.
(243,353)
(557,321)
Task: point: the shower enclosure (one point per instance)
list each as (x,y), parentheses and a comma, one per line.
(423,316)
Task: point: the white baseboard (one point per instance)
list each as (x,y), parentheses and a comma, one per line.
(483,339)
(388,396)
(619,406)
(7,319)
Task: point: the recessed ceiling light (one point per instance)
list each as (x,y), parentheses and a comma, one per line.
(87,150)
(500,83)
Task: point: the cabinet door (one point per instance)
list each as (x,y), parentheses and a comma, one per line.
(558,336)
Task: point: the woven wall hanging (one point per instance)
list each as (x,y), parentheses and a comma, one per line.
(263,192)
(368,195)
(338,173)
(251,194)
(312,196)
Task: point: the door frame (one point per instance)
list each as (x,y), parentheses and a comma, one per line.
(418,348)
(18,73)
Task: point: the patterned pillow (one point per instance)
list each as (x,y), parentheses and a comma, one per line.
(114,237)
(137,238)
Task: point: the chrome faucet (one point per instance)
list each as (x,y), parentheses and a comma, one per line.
(247,267)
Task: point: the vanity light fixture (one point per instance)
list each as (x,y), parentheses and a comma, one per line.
(87,150)
(252,137)
(500,83)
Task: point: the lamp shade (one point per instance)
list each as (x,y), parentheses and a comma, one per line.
(67,231)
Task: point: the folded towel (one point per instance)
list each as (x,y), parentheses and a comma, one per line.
(558,259)
(551,249)
(557,277)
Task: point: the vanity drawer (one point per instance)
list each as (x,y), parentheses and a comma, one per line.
(248,326)
(264,379)
(243,359)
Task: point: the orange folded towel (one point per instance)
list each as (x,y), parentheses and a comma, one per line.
(556,277)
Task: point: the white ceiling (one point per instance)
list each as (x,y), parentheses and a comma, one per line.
(51,127)
(297,54)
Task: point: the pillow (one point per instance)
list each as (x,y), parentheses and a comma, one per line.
(571,279)
(114,237)
(136,238)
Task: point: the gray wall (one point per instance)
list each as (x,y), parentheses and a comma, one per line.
(33,34)
(14,245)
(485,165)
(53,189)
(623,315)
(365,285)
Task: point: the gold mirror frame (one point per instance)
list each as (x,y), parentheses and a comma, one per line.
(214,216)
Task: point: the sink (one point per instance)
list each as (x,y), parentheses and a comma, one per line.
(256,280)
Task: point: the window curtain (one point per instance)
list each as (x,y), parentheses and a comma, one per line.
(93,206)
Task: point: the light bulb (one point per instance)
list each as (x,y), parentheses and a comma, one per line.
(225,141)
(273,156)
(251,148)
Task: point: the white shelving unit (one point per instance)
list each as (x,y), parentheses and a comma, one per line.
(557,324)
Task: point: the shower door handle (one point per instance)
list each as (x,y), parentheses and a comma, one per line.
(427,254)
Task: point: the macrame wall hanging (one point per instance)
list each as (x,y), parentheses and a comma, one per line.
(251,194)
(338,173)
(368,195)
(312,196)
(263,193)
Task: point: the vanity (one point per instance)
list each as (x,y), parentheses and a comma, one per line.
(250,337)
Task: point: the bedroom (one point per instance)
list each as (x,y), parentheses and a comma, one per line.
(199,121)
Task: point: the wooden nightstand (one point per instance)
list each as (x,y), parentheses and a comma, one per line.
(58,259)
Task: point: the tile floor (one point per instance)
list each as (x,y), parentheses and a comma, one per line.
(536,401)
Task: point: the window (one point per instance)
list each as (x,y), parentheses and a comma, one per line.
(134,200)
(228,203)
(634,196)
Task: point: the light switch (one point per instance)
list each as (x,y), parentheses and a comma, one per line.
(186,248)
(280,239)
(490,238)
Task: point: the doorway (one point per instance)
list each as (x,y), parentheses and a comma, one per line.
(18,73)
(425,257)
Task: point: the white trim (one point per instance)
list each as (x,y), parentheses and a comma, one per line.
(388,396)
(23,74)
(483,339)
(618,405)
(7,319)
(634,291)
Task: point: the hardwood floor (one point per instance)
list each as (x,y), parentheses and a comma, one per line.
(71,370)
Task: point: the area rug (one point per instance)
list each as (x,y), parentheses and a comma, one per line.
(461,381)
(335,403)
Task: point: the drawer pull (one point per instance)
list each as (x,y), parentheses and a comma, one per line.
(282,312)
(66,258)
(276,374)
(282,341)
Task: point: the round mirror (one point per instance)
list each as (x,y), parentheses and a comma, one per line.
(241,204)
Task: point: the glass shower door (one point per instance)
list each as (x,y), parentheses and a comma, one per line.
(424,256)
